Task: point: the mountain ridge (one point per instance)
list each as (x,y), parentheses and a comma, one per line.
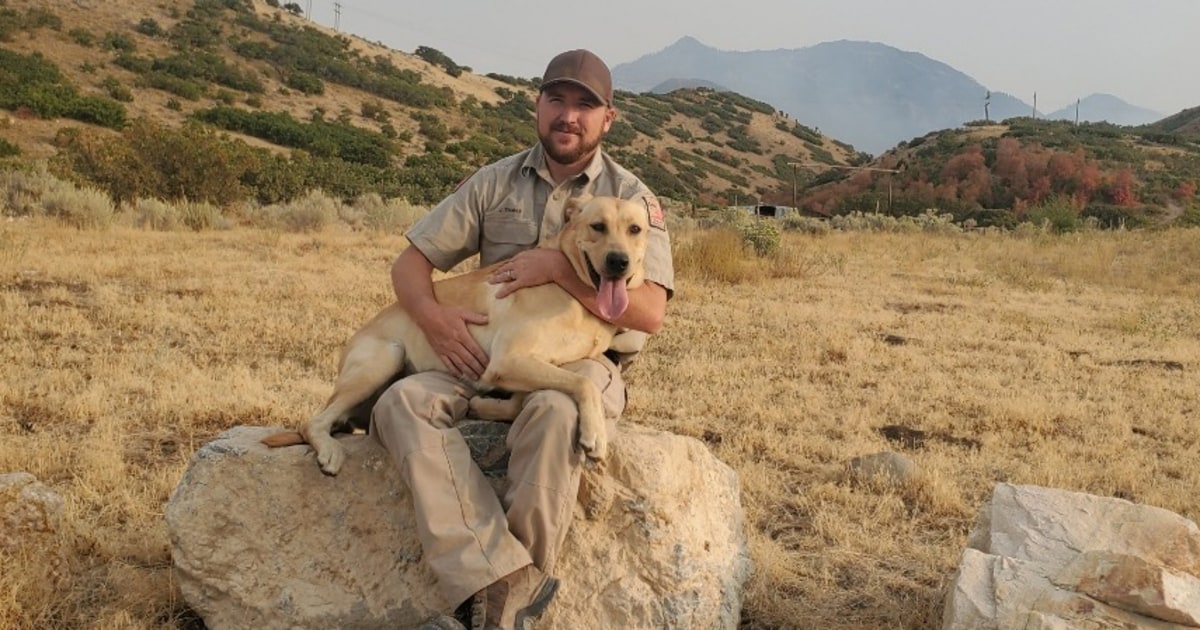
(837,85)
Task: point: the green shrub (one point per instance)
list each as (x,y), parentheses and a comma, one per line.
(307,84)
(761,235)
(119,42)
(82,36)
(149,160)
(1056,213)
(438,58)
(116,90)
(8,149)
(35,83)
(149,27)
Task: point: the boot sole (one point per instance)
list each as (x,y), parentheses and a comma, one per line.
(539,604)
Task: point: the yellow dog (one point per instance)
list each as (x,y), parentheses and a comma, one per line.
(529,333)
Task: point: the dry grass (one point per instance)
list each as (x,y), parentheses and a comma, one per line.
(122,350)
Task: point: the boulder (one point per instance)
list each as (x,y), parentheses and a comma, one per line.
(1047,558)
(261,538)
(28,509)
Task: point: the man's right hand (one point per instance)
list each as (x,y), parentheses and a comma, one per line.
(446,329)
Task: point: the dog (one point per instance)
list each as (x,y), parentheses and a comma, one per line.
(529,334)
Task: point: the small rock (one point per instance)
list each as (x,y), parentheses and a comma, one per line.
(888,467)
(27,508)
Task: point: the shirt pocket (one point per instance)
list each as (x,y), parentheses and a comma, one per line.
(504,236)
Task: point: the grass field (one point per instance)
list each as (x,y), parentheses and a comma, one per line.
(1070,360)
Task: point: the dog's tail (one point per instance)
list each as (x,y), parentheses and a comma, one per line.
(284,438)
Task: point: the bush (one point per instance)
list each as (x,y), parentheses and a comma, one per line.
(80,207)
(116,90)
(149,160)
(199,216)
(149,27)
(156,214)
(83,37)
(119,41)
(8,149)
(35,83)
(761,235)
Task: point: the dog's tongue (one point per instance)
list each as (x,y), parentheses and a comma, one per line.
(612,298)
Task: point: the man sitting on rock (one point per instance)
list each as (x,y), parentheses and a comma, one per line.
(494,557)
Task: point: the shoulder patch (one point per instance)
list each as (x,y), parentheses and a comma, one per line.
(654,210)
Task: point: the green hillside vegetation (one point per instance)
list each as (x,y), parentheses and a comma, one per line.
(1186,123)
(1027,170)
(218,101)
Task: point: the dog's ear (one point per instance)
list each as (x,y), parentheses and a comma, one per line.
(574,206)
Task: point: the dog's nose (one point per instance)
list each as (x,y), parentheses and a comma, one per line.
(616,263)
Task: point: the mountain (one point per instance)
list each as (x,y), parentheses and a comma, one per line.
(868,94)
(1106,108)
(220,100)
(1186,124)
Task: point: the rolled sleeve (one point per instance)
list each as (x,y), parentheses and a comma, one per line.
(449,234)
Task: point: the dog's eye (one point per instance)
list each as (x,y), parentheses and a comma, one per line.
(635,229)
(599,227)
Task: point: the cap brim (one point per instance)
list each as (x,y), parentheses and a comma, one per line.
(581,84)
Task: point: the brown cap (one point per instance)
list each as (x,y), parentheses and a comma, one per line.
(583,68)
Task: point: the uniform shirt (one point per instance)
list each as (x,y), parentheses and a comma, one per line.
(506,206)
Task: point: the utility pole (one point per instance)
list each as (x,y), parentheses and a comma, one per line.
(308,11)
(337,15)
(1035,105)
(1077,112)
(794,165)
(987,101)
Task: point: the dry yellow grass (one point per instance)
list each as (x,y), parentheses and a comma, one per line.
(121,351)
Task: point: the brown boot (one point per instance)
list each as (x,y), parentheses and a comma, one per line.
(513,601)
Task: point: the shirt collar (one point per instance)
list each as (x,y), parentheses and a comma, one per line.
(535,162)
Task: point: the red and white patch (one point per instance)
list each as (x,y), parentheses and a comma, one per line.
(658,218)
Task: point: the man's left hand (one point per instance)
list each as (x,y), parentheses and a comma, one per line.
(529,268)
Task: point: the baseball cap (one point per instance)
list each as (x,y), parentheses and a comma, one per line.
(583,68)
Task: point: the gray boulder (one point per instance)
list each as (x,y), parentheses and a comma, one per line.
(262,539)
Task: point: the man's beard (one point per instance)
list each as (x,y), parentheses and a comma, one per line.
(571,156)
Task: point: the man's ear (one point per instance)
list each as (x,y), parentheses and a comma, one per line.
(574,206)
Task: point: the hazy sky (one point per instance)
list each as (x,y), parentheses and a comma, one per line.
(1146,52)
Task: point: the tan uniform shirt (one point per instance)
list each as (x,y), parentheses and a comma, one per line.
(506,206)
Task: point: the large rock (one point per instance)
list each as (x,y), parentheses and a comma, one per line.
(1046,558)
(261,539)
(28,510)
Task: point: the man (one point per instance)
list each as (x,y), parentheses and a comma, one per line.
(495,556)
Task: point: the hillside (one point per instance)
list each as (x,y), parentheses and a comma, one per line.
(95,86)
(1186,123)
(1021,169)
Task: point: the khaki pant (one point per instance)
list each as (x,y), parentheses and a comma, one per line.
(471,537)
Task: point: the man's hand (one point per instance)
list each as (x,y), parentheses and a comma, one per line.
(530,268)
(446,329)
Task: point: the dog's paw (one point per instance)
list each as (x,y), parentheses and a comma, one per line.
(593,442)
(330,456)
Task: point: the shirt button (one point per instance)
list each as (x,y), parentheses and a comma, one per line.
(557,196)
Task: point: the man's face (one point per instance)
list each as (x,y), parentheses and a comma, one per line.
(570,122)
